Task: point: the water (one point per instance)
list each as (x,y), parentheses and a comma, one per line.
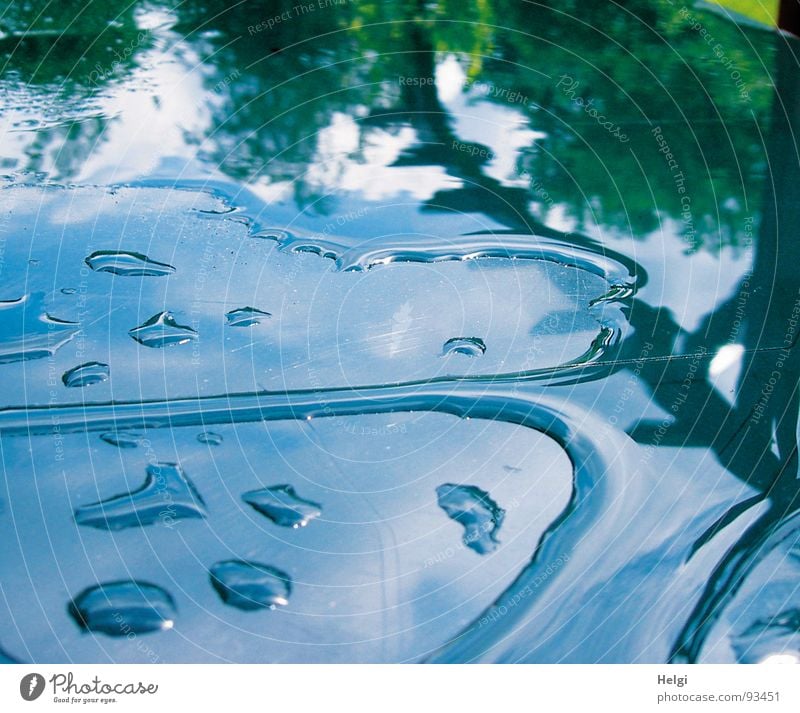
(92,372)
(119,608)
(438,371)
(246,317)
(250,585)
(29,332)
(127,264)
(476,511)
(121,439)
(469,346)
(282,505)
(161,330)
(210,438)
(167,495)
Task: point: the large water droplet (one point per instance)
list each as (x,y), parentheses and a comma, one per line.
(167,495)
(119,608)
(210,438)
(476,511)
(161,330)
(92,372)
(282,505)
(251,585)
(246,317)
(471,346)
(127,264)
(28,332)
(122,439)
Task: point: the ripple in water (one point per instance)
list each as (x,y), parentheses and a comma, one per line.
(167,495)
(246,317)
(476,511)
(250,585)
(210,438)
(127,264)
(282,505)
(28,332)
(161,330)
(471,346)
(119,608)
(92,372)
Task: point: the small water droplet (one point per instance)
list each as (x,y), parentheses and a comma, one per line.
(127,264)
(92,372)
(471,346)
(28,332)
(210,438)
(68,290)
(161,330)
(476,511)
(119,608)
(250,585)
(246,317)
(282,505)
(122,439)
(167,495)
(33,262)
(216,211)
(281,236)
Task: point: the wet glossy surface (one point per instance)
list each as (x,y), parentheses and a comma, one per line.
(120,608)
(483,350)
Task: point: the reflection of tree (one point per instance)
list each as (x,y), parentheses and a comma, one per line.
(756,437)
(64,43)
(641,65)
(56,63)
(271,90)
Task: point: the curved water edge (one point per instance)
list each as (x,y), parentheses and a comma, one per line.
(607,306)
(773,529)
(600,468)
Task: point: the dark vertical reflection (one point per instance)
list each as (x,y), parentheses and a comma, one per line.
(764,419)
(789,16)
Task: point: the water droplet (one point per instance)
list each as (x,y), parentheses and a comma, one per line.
(250,585)
(615,293)
(119,608)
(68,290)
(216,211)
(210,438)
(471,346)
(276,234)
(127,264)
(92,372)
(167,495)
(122,439)
(476,511)
(28,332)
(246,317)
(33,262)
(161,330)
(283,506)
